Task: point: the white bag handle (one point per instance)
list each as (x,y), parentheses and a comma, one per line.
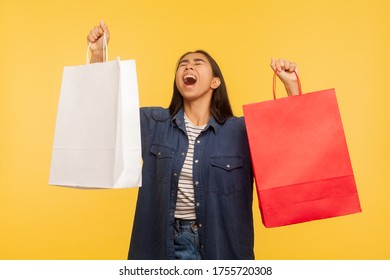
(105,49)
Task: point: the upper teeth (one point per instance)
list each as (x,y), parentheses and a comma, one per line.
(189,76)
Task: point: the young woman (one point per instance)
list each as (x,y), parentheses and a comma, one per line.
(196,198)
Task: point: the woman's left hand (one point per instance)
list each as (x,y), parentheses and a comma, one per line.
(284,69)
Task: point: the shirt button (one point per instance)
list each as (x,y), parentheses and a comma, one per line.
(198,141)
(175,174)
(200,225)
(196,161)
(182,154)
(197,183)
(198,204)
(228,166)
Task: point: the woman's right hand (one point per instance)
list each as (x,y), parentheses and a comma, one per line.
(95,38)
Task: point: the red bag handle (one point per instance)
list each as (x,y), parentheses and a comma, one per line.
(274,84)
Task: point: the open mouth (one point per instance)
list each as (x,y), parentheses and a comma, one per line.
(189,80)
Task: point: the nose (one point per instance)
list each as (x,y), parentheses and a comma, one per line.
(189,67)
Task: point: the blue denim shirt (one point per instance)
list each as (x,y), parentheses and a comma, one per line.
(223,185)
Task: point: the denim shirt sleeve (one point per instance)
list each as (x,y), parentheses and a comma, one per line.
(150,118)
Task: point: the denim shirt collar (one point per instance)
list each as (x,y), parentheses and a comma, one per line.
(178,119)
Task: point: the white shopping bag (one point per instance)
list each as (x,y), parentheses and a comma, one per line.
(97,141)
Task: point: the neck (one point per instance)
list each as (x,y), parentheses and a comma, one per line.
(197,113)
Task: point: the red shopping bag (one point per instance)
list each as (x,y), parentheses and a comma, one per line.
(300,158)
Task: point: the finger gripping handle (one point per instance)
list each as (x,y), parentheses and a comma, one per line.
(105,49)
(274,84)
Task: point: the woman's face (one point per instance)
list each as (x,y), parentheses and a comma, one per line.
(194,77)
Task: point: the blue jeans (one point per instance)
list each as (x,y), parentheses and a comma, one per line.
(186,240)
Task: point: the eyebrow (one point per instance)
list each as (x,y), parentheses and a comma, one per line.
(195,60)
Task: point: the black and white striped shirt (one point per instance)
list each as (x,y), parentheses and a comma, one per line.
(185,206)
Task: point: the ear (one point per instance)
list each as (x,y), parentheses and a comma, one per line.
(215,83)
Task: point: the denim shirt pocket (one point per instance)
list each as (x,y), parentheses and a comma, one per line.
(164,159)
(226,174)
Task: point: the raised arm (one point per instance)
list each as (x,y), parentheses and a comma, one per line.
(95,37)
(284,69)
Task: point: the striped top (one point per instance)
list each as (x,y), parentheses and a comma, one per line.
(185,204)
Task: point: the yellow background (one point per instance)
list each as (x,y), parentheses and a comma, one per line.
(340,44)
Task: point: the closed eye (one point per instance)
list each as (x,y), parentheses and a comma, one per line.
(199,61)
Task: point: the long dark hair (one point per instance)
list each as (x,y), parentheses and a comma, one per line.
(220,104)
